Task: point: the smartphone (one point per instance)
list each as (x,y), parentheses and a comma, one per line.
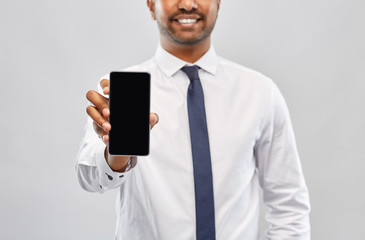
(129,104)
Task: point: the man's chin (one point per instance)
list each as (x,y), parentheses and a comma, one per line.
(187,40)
(185,37)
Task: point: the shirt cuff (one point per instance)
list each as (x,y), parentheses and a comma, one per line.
(109,178)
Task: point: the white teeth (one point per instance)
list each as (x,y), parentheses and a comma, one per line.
(186,20)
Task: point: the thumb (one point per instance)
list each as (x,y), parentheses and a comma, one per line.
(153,119)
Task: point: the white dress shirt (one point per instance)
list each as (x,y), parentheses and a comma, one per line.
(252,144)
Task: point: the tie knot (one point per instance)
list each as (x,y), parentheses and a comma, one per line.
(192,72)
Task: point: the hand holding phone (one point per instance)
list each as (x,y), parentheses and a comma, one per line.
(129,103)
(99,113)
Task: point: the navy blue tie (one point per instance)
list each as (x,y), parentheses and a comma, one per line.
(204,199)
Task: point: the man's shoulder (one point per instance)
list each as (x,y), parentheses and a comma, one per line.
(244,72)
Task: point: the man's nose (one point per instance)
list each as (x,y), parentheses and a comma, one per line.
(188,5)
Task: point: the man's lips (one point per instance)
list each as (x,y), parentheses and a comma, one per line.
(185,19)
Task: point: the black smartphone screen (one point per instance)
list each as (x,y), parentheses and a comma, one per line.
(129,104)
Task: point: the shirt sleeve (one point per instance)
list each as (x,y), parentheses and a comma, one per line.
(92,170)
(281,177)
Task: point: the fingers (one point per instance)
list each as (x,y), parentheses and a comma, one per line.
(103,135)
(99,112)
(104,84)
(99,101)
(154,118)
(98,118)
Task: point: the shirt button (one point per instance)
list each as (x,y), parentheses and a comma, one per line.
(110,177)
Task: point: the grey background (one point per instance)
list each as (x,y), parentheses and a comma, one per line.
(52,52)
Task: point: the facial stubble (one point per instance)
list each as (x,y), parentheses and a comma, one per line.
(170,33)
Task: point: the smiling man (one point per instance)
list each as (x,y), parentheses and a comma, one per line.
(224,130)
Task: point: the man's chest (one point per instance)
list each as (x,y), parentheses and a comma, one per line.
(235,113)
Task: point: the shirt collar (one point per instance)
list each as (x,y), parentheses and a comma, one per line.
(169,64)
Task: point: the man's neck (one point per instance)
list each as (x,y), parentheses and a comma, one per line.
(187,53)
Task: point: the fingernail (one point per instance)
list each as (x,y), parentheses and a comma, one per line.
(104,126)
(156,118)
(105,111)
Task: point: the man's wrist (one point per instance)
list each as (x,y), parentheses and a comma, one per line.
(116,163)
